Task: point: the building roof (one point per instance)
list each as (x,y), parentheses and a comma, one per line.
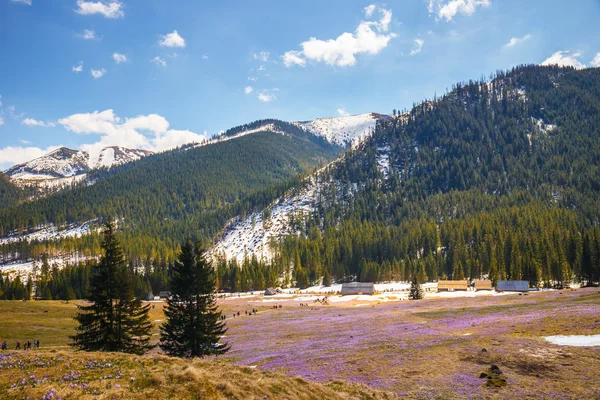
(512,286)
(358,287)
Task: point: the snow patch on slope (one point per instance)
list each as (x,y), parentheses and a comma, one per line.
(383,160)
(254,234)
(50,232)
(349,130)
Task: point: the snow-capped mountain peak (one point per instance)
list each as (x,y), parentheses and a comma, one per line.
(346,130)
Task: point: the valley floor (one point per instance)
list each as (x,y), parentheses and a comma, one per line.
(432,348)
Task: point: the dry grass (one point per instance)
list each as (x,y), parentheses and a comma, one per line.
(424,349)
(70,375)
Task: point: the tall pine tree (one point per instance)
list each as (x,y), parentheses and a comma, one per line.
(115,320)
(194,326)
(416,292)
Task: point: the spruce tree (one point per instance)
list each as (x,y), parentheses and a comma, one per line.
(416,293)
(193,325)
(114,320)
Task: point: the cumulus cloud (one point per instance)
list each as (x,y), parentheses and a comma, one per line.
(418,46)
(88,34)
(248,89)
(252,78)
(159,61)
(78,68)
(595,63)
(172,39)
(26,2)
(119,58)
(97,73)
(111,9)
(369,37)
(267,96)
(204,57)
(13,155)
(149,132)
(262,56)
(342,113)
(35,122)
(515,41)
(444,9)
(565,58)
(369,10)
(293,58)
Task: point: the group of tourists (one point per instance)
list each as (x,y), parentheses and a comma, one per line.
(237,314)
(26,345)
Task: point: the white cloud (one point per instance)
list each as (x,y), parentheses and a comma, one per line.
(252,78)
(27,2)
(87,34)
(595,63)
(77,69)
(13,155)
(369,37)
(149,132)
(515,41)
(172,40)
(13,114)
(266,96)
(565,58)
(293,58)
(119,58)
(248,89)
(447,9)
(204,57)
(261,68)
(35,122)
(97,73)
(369,10)
(418,47)
(262,56)
(1,121)
(24,141)
(159,61)
(342,113)
(108,9)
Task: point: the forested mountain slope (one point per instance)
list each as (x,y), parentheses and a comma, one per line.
(9,194)
(162,199)
(497,179)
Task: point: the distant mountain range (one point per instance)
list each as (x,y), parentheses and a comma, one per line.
(64,167)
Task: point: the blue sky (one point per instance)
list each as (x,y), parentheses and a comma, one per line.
(157,73)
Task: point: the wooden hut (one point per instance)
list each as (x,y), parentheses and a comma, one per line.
(270,292)
(512,286)
(484,284)
(451,286)
(358,288)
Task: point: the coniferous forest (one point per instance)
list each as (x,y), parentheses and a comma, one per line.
(498,178)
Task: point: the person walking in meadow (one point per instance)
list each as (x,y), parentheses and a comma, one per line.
(4,345)
(18,347)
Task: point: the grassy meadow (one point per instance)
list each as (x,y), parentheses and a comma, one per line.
(435,348)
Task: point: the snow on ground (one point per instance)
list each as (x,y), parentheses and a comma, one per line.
(50,233)
(383,160)
(47,182)
(574,340)
(341,130)
(24,268)
(545,128)
(253,235)
(263,128)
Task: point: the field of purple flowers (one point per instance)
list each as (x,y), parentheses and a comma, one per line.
(434,348)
